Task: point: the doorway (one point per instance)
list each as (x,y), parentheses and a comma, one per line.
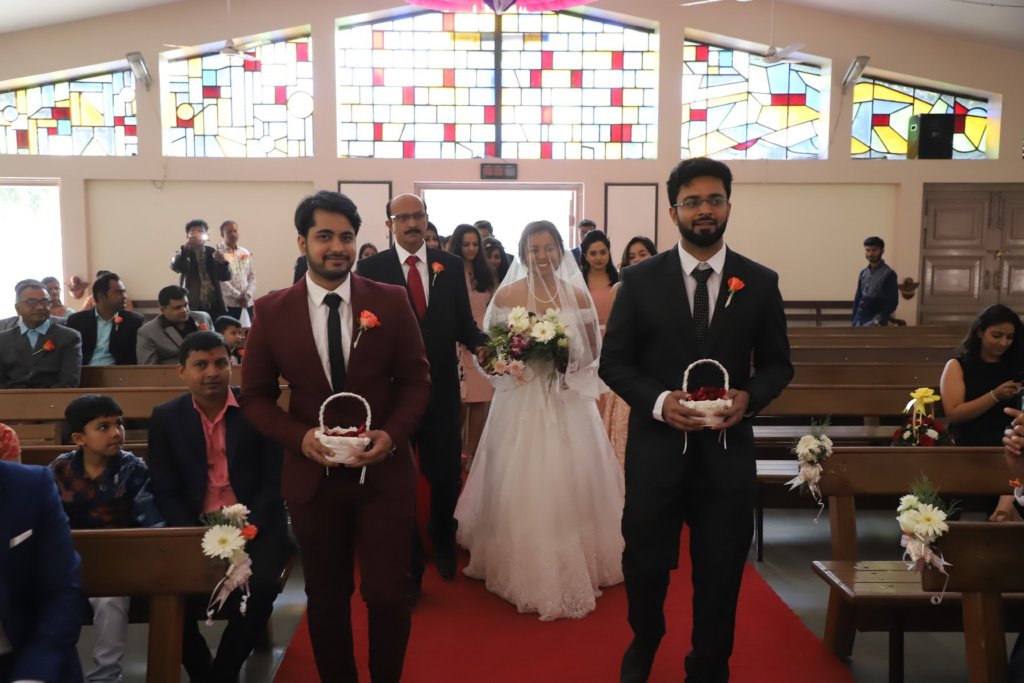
(30,214)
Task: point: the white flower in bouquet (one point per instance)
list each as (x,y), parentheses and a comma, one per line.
(931,523)
(563,342)
(808,445)
(222,541)
(908,502)
(236,514)
(909,520)
(519,319)
(500,365)
(932,433)
(826,442)
(552,315)
(543,331)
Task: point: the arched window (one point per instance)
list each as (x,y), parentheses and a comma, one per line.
(737,107)
(425,86)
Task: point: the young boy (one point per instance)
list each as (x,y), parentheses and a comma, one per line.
(104,487)
(231,329)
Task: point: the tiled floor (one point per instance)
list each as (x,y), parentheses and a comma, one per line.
(792,541)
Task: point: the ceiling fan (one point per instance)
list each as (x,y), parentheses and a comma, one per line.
(229,49)
(775,55)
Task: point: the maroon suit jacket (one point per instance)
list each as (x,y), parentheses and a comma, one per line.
(388,368)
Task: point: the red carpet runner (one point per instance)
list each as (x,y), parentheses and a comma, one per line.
(463,634)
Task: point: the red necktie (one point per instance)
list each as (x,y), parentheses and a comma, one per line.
(419,298)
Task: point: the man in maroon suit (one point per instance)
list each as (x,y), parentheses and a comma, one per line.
(334,331)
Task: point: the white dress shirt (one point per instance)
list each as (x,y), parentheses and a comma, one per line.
(422,266)
(318,312)
(717,264)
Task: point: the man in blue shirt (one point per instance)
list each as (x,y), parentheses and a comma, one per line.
(109,330)
(877,291)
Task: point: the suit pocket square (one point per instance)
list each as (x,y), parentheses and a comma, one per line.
(20,538)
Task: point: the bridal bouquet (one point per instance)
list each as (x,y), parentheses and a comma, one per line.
(225,538)
(525,339)
(922,518)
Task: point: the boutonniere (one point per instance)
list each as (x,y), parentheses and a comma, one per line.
(117,322)
(438,268)
(735,284)
(244,257)
(367,321)
(47,346)
(203,327)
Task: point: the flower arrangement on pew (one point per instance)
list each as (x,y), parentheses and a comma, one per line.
(811,451)
(921,427)
(526,339)
(225,538)
(922,517)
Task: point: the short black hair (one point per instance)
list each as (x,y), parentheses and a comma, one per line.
(484,224)
(50,278)
(102,284)
(196,223)
(203,340)
(588,222)
(688,169)
(171,293)
(874,241)
(223,322)
(28,284)
(331,202)
(226,224)
(84,409)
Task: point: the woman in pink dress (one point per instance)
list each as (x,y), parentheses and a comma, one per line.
(615,411)
(481,283)
(599,272)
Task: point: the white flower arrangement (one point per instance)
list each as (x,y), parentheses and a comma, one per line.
(225,538)
(922,519)
(811,451)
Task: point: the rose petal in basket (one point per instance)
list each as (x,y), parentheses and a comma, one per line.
(709,408)
(345,447)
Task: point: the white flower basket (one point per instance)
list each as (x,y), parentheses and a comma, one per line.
(344,447)
(709,408)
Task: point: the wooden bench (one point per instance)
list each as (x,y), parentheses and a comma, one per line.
(45,454)
(818,312)
(920,352)
(105,376)
(162,565)
(871,373)
(882,596)
(886,332)
(987,561)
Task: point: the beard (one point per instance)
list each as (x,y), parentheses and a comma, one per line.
(700,239)
(328,272)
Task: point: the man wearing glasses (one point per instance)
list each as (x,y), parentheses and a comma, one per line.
(37,353)
(436,284)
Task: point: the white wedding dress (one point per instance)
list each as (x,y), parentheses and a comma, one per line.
(541,511)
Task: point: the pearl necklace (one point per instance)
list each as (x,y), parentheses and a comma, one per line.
(537,298)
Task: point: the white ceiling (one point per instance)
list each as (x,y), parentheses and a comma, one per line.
(1001,25)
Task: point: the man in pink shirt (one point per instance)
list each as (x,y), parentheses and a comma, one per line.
(203,455)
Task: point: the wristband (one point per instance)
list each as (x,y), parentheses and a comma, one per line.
(994,398)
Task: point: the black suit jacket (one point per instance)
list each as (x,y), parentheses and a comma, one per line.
(650,341)
(122,336)
(187,265)
(177,464)
(449,317)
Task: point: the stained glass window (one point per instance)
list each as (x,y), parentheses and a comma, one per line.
(737,107)
(218,105)
(425,86)
(881,119)
(92,116)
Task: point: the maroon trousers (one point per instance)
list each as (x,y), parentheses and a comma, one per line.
(343,523)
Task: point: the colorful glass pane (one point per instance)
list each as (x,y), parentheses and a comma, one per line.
(425,86)
(881,119)
(226,106)
(92,116)
(737,107)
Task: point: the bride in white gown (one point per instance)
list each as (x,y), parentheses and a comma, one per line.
(541,510)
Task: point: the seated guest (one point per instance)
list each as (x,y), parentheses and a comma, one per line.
(38,354)
(40,592)
(108,331)
(104,487)
(57,307)
(90,302)
(202,269)
(8,323)
(231,329)
(10,445)
(158,340)
(204,454)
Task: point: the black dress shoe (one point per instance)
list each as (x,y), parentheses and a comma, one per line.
(444,559)
(637,662)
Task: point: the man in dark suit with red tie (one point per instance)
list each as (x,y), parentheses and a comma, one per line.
(318,335)
(436,284)
(700,300)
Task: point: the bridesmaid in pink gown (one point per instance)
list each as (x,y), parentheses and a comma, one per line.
(481,282)
(615,412)
(601,276)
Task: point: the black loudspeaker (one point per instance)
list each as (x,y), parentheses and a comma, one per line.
(930,136)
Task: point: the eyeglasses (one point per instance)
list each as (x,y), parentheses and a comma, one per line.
(32,303)
(406,217)
(691,203)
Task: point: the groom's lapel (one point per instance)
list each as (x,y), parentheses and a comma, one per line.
(673,282)
(718,320)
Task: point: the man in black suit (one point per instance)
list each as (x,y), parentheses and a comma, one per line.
(204,454)
(436,284)
(108,331)
(584,227)
(699,300)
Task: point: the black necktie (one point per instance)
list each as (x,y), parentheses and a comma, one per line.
(334,349)
(701,309)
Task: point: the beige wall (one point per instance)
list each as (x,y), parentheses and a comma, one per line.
(782,204)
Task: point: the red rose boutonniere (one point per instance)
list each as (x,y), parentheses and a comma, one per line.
(47,346)
(117,322)
(438,268)
(735,284)
(244,257)
(204,327)
(367,321)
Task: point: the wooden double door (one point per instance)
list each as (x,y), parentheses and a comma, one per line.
(973,251)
